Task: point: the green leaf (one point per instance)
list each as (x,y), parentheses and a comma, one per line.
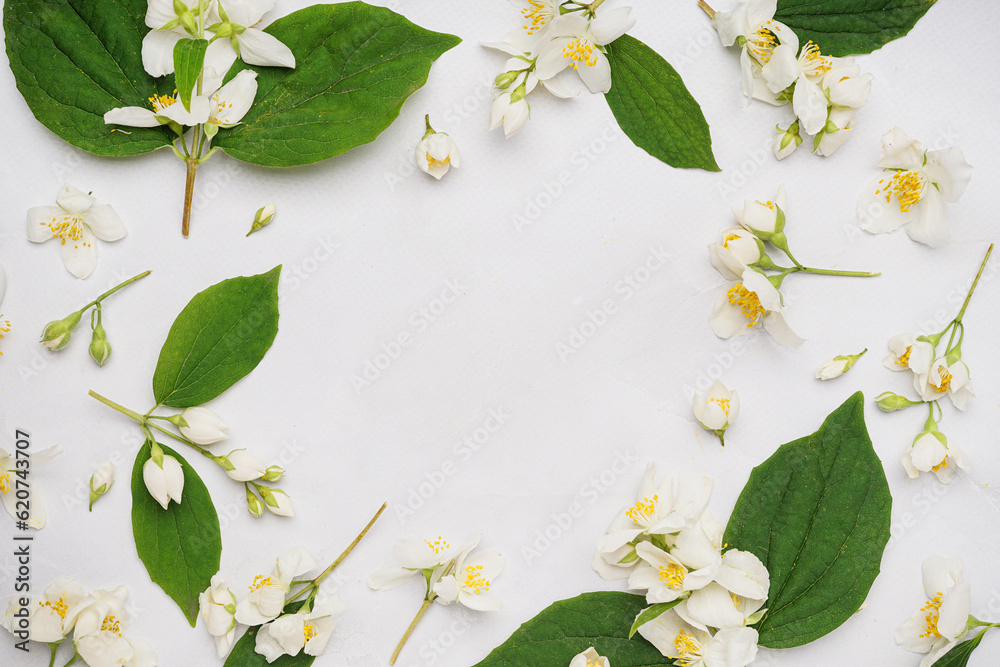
(650,614)
(219,337)
(189,58)
(181,546)
(817,515)
(355,66)
(572,626)
(655,109)
(75,60)
(843,27)
(959,655)
(244,654)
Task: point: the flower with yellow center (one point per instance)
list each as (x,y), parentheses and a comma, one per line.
(429,555)
(717,408)
(692,563)
(436,153)
(690,646)
(906,352)
(945,379)
(942,620)
(217,606)
(538,14)
(51,616)
(267,593)
(739,249)
(303,631)
(471,577)
(768,47)
(932,452)
(914,189)
(577,43)
(589,658)
(14,477)
(76,222)
(754,302)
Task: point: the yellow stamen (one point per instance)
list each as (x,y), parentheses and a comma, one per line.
(433,162)
(945,376)
(4,481)
(580,51)
(438,545)
(673,575)
(260,581)
(59,606)
(67,227)
(729,237)
(722,403)
(907,186)
(814,63)
(761,44)
(111,624)
(4,328)
(943,464)
(748,302)
(931,618)
(643,510)
(536,15)
(309,631)
(687,647)
(904,359)
(161,102)
(475,580)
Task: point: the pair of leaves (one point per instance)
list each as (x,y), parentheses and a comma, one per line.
(75,60)
(219,337)
(845,27)
(817,515)
(959,655)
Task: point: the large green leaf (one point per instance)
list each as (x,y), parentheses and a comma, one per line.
(219,337)
(75,60)
(655,109)
(959,655)
(569,627)
(355,66)
(181,546)
(817,515)
(843,27)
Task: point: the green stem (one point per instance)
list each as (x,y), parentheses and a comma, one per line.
(120,408)
(592,7)
(192,170)
(708,10)
(340,559)
(116,288)
(409,631)
(832,272)
(53,646)
(76,656)
(144,421)
(974,283)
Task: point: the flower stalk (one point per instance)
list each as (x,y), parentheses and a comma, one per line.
(428,601)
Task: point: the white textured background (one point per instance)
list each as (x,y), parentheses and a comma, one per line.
(368,244)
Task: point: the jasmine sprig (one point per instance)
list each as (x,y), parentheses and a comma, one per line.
(57,334)
(429,598)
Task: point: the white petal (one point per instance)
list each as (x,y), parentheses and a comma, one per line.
(266,645)
(158,52)
(39,218)
(219,58)
(776,325)
(74,201)
(390,577)
(940,574)
(758,283)
(810,105)
(713,606)
(949,170)
(292,563)
(929,223)
(875,214)
(563,84)
(232,102)
(899,151)
(261,48)
(104,222)
(175,477)
(782,69)
(954,612)
(611,25)
(597,77)
(744,574)
(733,647)
(132,117)
(198,114)
(80,256)
(551,60)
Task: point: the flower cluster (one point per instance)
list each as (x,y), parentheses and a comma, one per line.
(15,486)
(199,426)
(451,574)
(944,620)
(556,39)
(57,334)
(77,221)
(753,300)
(668,547)
(98,622)
(825,92)
(283,631)
(935,375)
(913,189)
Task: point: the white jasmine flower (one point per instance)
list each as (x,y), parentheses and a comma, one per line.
(664,576)
(267,593)
(589,658)
(245,466)
(101,481)
(714,606)
(414,554)
(99,635)
(908,353)
(238,19)
(739,249)
(51,616)
(276,501)
(693,647)
(838,366)
(436,153)
(763,218)
(748,304)
(9,477)
(931,452)
(471,579)
(845,86)
(763,63)
(944,617)
(230,103)
(913,190)
(945,378)
(808,99)
(306,631)
(204,427)
(717,409)
(663,507)
(509,112)
(576,42)
(77,222)
(164,480)
(218,607)
(835,132)
(164,109)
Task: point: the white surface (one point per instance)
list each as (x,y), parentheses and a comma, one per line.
(368,243)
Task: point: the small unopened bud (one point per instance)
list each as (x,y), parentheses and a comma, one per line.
(890,402)
(242,466)
(276,500)
(57,334)
(274,473)
(100,348)
(254,506)
(838,365)
(504,79)
(100,482)
(262,218)
(201,426)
